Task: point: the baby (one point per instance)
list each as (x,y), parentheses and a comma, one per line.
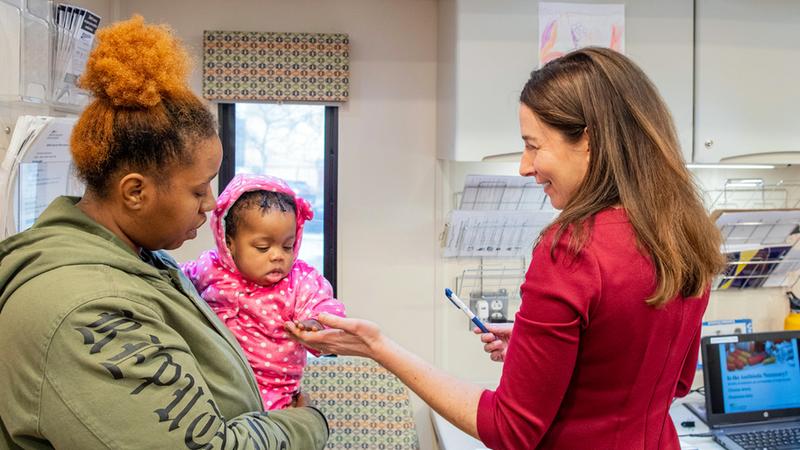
(254,281)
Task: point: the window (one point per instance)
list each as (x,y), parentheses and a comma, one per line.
(295,142)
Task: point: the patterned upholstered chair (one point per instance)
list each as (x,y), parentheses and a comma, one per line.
(367,407)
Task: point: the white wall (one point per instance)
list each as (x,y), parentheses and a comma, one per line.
(386,146)
(100,7)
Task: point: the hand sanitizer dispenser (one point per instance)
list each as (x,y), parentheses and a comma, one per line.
(792,321)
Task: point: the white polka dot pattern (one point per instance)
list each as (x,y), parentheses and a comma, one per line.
(255,313)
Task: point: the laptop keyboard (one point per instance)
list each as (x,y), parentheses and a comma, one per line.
(781,439)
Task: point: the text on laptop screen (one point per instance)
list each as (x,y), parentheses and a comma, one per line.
(759,375)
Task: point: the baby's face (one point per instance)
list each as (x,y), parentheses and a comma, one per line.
(263,246)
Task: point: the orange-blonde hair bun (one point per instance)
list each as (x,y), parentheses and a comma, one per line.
(143,117)
(136,64)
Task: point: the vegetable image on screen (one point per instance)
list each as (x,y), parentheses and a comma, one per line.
(746,354)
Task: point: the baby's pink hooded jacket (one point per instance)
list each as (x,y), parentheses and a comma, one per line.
(256,313)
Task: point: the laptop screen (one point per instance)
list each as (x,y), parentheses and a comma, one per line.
(752,377)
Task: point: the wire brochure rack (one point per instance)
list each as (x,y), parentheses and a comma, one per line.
(493,290)
(760,246)
(498,216)
(493,278)
(484,192)
(753,193)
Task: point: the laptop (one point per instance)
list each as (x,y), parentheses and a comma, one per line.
(752,384)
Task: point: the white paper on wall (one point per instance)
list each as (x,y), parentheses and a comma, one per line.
(564,27)
(37,168)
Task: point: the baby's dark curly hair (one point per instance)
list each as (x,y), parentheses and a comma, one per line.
(143,116)
(265,200)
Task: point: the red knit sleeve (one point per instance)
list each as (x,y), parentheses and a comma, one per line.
(556,298)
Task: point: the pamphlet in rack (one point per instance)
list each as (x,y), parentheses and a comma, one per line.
(74,36)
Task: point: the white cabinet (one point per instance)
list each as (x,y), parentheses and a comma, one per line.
(487,50)
(747,96)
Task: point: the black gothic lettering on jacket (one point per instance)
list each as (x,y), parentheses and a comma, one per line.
(131,350)
(184,399)
(109,324)
(201,425)
(265,439)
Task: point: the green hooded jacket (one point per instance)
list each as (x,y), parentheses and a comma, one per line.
(103,348)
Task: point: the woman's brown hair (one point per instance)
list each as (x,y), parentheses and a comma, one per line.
(635,161)
(143,116)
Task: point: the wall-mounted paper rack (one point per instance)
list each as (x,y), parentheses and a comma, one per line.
(753,193)
(485,192)
(25,50)
(498,216)
(492,290)
(507,234)
(760,246)
(44,48)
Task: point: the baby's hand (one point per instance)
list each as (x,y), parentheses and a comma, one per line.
(308,325)
(300,399)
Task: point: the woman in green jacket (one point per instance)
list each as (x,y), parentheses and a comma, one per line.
(103,342)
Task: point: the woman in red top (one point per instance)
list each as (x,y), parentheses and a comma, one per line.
(609,326)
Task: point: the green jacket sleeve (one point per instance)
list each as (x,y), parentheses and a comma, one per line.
(117,376)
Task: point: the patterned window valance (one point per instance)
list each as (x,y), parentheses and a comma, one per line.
(309,67)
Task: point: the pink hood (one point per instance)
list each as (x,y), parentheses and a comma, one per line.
(245,183)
